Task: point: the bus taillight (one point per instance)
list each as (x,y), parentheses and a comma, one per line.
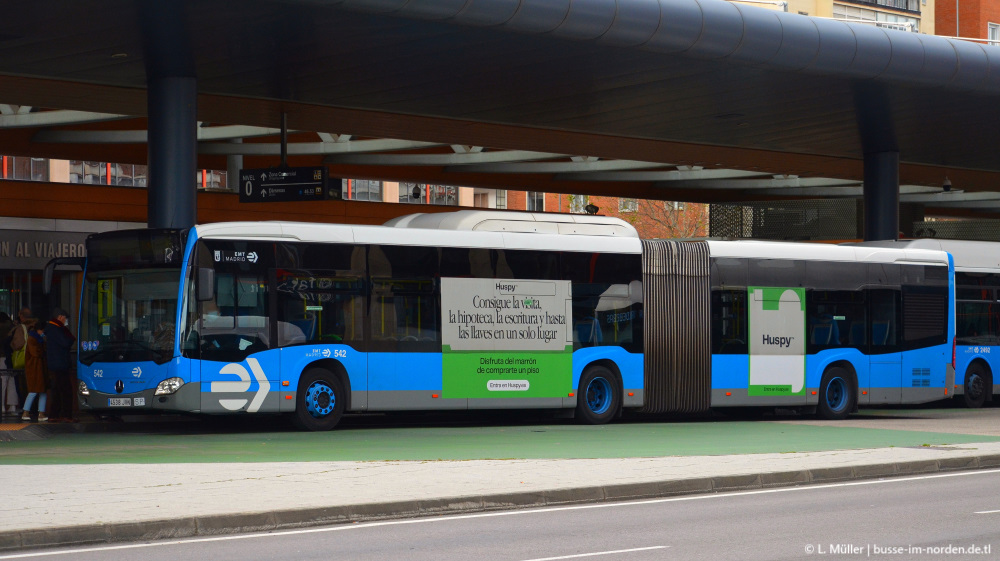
(954,344)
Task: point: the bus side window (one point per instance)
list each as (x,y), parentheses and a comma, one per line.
(405,295)
(729,321)
(884,320)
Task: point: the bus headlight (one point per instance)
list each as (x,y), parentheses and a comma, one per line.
(84,390)
(168,386)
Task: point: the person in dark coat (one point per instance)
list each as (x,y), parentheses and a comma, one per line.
(58,342)
(35,371)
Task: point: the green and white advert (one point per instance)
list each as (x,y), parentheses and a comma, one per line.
(777,341)
(506,338)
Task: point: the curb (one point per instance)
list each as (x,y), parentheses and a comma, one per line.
(223,524)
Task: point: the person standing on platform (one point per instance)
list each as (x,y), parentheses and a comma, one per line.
(58,342)
(18,342)
(8,392)
(35,371)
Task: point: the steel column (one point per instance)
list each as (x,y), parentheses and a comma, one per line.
(173,148)
(881,196)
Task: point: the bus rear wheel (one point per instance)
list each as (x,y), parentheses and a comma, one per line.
(976,381)
(599,397)
(836,395)
(320,400)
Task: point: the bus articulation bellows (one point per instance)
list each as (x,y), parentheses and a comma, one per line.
(503,310)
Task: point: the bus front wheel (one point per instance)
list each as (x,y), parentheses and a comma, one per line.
(320,400)
(599,396)
(836,395)
(975,386)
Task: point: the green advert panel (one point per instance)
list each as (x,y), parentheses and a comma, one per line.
(777,340)
(473,374)
(506,338)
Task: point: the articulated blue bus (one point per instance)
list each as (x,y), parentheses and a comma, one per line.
(977,309)
(501,310)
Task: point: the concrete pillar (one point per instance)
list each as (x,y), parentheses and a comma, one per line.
(881,196)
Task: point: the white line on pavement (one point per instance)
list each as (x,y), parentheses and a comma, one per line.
(529,511)
(596,553)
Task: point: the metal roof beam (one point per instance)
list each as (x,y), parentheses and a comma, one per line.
(664,177)
(439,159)
(225,132)
(855,191)
(313,148)
(779,184)
(559,167)
(19,119)
(940,197)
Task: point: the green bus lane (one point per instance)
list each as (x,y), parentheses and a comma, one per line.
(191,442)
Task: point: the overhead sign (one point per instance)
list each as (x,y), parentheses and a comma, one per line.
(274,185)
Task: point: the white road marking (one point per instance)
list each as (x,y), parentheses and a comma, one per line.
(596,553)
(536,511)
(987,512)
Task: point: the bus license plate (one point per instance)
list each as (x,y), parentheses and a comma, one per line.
(119,402)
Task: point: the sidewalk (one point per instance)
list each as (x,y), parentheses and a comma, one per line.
(79,503)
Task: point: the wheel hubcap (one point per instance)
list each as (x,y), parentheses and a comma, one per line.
(599,395)
(836,394)
(976,386)
(320,399)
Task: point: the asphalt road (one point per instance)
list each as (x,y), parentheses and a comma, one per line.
(925,517)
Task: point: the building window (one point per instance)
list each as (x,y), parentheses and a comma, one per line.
(428,194)
(993,33)
(674,205)
(411,193)
(877,18)
(443,195)
(628,205)
(489,198)
(536,201)
(577,203)
(362,190)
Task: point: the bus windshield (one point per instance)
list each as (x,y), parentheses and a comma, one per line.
(129,304)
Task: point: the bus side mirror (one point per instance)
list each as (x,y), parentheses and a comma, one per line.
(50,269)
(204,290)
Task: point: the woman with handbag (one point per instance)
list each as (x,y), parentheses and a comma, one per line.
(18,345)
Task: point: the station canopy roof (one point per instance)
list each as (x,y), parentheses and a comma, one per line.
(692,100)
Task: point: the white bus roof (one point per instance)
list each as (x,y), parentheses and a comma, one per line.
(526,222)
(342,233)
(825,252)
(971,256)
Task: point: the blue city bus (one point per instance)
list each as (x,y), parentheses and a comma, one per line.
(502,310)
(977,309)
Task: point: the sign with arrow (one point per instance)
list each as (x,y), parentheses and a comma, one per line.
(284,184)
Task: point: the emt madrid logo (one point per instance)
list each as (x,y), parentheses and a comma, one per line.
(242,385)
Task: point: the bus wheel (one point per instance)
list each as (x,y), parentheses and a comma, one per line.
(320,401)
(975,386)
(599,396)
(836,395)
